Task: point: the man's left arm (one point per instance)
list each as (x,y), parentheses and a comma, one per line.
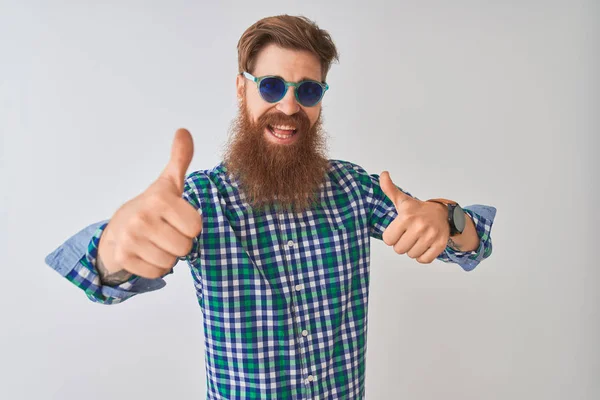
(422,231)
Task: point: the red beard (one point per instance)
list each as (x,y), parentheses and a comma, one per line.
(287,176)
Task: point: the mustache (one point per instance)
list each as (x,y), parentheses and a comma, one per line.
(299,120)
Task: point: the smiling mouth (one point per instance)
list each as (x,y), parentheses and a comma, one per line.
(282,132)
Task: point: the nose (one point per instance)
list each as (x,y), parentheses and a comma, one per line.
(288,105)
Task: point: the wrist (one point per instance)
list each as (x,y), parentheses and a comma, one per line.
(111,278)
(442,211)
(455,216)
(105,249)
(108,271)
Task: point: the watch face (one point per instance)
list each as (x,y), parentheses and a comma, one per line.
(459,219)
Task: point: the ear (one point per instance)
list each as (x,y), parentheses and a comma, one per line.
(240,83)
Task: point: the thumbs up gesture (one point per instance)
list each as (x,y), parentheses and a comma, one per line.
(421,228)
(147,234)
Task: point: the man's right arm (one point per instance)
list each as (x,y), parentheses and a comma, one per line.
(143,241)
(76,260)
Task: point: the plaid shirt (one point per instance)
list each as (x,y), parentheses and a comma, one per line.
(284,295)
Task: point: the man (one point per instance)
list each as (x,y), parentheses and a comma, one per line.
(277,236)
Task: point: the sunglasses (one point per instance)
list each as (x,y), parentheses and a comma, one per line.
(273,88)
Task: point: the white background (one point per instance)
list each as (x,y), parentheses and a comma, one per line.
(482,102)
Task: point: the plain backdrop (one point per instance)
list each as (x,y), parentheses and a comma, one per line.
(482,102)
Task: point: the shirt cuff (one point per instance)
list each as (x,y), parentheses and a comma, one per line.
(76,261)
(483,219)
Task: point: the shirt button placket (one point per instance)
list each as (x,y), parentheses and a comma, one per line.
(298,288)
(310,379)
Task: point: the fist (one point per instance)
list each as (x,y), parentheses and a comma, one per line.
(148,233)
(421,228)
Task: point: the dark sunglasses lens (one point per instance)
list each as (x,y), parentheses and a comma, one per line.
(309,93)
(272,89)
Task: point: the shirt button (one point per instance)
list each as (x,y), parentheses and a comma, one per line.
(298,288)
(305,333)
(291,243)
(310,378)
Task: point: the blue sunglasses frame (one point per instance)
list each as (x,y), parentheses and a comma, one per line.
(287,84)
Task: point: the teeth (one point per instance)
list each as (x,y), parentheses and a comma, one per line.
(280,136)
(284,127)
(287,128)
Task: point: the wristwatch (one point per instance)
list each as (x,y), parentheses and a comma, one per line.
(456,216)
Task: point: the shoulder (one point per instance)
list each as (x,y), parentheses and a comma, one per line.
(347,173)
(204,178)
(199,184)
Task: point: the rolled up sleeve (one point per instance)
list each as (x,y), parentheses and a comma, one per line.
(483,218)
(75,260)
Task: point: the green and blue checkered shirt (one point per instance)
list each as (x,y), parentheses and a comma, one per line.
(284,295)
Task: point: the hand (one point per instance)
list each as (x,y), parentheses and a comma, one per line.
(148,233)
(421,228)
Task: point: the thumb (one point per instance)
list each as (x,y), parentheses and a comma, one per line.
(390,190)
(182,152)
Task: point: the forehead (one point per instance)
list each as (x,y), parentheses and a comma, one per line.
(291,65)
